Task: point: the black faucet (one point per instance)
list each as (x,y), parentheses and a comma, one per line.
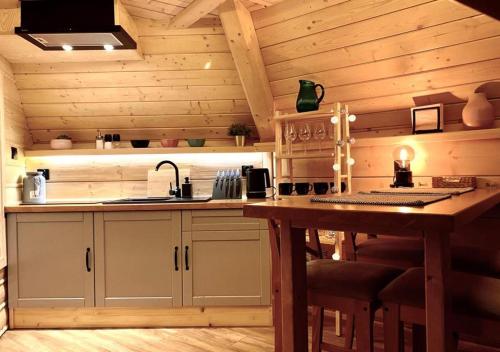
(177,191)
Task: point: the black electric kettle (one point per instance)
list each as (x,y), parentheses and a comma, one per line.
(257,182)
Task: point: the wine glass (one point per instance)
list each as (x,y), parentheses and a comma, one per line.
(290,136)
(319,133)
(305,135)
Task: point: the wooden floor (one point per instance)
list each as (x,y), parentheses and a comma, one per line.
(159,340)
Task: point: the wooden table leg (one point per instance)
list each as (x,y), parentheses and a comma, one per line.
(437,294)
(274,241)
(293,288)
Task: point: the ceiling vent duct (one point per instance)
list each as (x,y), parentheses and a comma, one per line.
(73,25)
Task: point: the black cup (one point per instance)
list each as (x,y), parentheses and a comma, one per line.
(285,189)
(320,187)
(343,187)
(303,188)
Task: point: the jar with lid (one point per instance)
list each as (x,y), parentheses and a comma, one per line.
(34,188)
(108,141)
(116,140)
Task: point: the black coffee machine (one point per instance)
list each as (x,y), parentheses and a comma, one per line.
(257,182)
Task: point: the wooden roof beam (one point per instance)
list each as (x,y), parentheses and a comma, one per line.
(195,11)
(242,39)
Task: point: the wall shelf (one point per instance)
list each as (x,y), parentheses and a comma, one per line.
(466,135)
(142,151)
(491,133)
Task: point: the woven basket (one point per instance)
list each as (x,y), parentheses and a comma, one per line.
(454,181)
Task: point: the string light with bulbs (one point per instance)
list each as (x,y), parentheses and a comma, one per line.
(341,119)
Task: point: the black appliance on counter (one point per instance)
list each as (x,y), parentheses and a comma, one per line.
(258,181)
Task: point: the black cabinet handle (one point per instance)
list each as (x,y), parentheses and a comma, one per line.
(186,257)
(87,260)
(176,254)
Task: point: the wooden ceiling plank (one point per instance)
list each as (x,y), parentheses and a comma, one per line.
(262,2)
(131,94)
(127,79)
(147,121)
(155,6)
(195,11)
(148,27)
(169,62)
(243,43)
(9,18)
(138,108)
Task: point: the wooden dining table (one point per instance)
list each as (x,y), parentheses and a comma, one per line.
(434,223)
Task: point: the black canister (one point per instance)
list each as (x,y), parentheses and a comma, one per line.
(187,188)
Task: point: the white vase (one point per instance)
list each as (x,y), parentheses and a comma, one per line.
(478,112)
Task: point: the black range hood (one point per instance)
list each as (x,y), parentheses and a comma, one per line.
(73,25)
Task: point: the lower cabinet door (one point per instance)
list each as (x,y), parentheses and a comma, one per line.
(226,260)
(50,260)
(138,259)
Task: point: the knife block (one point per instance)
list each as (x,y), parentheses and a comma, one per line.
(227,187)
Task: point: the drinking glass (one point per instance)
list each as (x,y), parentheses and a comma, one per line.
(305,135)
(290,136)
(319,133)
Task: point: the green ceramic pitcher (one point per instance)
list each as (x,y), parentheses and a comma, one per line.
(307,99)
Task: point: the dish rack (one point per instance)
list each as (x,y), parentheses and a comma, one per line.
(336,145)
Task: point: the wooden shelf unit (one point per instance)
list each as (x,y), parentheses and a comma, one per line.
(266,148)
(339,146)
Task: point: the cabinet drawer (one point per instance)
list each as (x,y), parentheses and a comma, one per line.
(49,217)
(215,220)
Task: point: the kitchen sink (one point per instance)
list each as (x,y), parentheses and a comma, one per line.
(156,200)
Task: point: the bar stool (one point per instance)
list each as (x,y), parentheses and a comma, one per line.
(349,287)
(476,308)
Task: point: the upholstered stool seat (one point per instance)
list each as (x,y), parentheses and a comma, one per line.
(476,303)
(349,287)
(349,279)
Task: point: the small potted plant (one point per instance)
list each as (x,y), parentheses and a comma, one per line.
(61,142)
(239,131)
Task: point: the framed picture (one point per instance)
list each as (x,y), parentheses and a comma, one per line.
(427,119)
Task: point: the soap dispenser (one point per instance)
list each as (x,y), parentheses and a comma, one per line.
(187,188)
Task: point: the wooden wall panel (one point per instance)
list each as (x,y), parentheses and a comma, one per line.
(393,23)
(404,44)
(14,133)
(373,166)
(186,82)
(381,57)
(127,176)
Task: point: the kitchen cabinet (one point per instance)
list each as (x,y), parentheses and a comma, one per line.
(50,260)
(138,259)
(225,259)
(167,258)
